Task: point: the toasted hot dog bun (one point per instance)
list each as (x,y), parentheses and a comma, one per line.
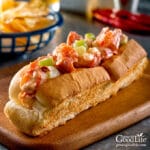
(63,97)
(118,65)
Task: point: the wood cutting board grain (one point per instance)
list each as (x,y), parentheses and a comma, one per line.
(129,106)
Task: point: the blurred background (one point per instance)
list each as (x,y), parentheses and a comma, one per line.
(80,6)
(129,15)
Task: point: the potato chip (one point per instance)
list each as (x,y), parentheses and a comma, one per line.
(6,4)
(18,25)
(37,23)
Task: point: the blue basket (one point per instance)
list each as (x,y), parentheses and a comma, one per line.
(9,45)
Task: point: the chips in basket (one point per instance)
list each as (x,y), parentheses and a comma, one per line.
(22,16)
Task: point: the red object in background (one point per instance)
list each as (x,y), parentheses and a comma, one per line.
(139,18)
(136,23)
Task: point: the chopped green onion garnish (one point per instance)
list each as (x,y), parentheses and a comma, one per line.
(80,50)
(80,46)
(90,36)
(79,43)
(124,39)
(46,62)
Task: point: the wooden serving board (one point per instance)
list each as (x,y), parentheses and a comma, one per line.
(129,106)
